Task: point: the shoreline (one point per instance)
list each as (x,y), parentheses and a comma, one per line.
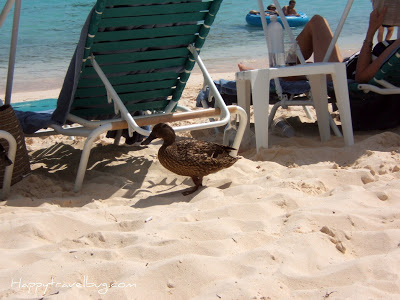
(224,69)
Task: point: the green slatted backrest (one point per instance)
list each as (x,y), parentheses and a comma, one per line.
(141,46)
(390,70)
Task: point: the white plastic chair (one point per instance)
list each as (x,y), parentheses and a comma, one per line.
(317,76)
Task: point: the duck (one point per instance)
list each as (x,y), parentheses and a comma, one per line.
(190,157)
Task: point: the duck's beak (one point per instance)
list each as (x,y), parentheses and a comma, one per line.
(149,139)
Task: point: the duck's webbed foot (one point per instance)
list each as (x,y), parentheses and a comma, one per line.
(198,181)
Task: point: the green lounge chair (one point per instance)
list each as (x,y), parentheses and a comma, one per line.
(386,81)
(375,105)
(137,56)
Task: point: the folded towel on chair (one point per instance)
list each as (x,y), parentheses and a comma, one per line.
(33,121)
(228,91)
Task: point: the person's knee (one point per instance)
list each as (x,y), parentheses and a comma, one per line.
(318,22)
(317,19)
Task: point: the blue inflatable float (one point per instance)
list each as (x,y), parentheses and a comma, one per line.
(294,21)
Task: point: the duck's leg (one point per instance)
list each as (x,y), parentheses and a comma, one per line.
(198,181)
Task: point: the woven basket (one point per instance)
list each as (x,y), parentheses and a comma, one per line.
(9,122)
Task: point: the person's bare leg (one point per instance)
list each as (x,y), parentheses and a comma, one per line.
(389,33)
(315,38)
(380,34)
(243,67)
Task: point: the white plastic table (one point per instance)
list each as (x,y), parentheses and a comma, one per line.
(258,81)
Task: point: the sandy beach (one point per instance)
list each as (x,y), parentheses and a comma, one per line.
(300,220)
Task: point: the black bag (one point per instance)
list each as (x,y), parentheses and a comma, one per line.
(373,111)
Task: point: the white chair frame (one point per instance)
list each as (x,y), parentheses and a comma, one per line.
(257,81)
(93,129)
(12,150)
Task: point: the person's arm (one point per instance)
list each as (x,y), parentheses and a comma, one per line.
(366,68)
(294,12)
(284,9)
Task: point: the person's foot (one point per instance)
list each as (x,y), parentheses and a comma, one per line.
(243,67)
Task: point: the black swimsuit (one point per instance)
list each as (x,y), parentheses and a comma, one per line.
(351,62)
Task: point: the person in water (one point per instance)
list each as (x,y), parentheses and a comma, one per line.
(271,10)
(289,10)
(317,35)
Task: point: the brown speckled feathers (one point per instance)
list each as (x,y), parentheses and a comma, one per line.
(195,158)
(190,157)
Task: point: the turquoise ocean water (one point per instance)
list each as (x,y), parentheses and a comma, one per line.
(49,30)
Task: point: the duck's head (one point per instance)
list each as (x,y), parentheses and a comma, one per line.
(161,131)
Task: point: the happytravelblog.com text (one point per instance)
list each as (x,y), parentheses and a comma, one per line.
(102,288)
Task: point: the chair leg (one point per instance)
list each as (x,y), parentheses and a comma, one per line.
(243,94)
(204,103)
(308,113)
(117,138)
(260,92)
(320,99)
(240,130)
(229,128)
(86,152)
(334,127)
(343,103)
(273,112)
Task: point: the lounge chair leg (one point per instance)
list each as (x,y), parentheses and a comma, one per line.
(334,127)
(86,152)
(273,112)
(240,130)
(117,138)
(308,113)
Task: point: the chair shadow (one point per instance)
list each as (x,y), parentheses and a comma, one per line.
(57,165)
(60,162)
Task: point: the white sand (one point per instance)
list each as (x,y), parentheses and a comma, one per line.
(300,220)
